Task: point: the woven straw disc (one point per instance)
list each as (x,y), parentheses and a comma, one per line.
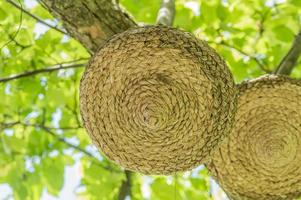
(261,159)
(157,100)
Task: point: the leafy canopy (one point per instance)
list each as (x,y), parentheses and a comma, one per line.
(40,127)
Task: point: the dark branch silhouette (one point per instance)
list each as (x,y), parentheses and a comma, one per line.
(48,130)
(125,188)
(36,17)
(44,70)
(289,61)
(262,66)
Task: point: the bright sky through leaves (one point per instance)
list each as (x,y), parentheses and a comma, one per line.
(45,152)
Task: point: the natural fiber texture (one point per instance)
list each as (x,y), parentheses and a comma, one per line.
(261,159)
(157,100)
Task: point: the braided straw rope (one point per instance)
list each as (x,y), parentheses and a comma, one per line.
(157,100)
(261,159)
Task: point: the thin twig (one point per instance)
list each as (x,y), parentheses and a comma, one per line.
(166,12)
(66,142)
(38,71)
(36,17)
(8,125)
(11,124)
(79,149)
(61,139)
(290,59)
(258,61)
(125,188)
(18,43)
(18,30)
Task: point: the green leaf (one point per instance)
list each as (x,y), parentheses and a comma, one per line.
(13,144)
(221,12)
(53,174)
(100,182)
(142,10)
(208,12)
(241,20)
(283,33)
(296,2)
(162,190)
(21,192)
(2,14)
(37,142)
(199,183)
(183,17)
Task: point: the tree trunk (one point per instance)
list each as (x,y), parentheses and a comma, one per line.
(90,22)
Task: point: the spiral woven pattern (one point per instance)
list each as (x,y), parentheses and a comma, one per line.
(261,159)
(157,100)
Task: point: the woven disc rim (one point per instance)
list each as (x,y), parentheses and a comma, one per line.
(261,157)
(174,65)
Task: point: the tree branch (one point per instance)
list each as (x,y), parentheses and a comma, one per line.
(78,148)
(38,71)
(125,188)
(290,59)
(255,59)
(90,22)
(11,37)
(48,130)
(36,17)
(66,142)
(11,124)
(166,12)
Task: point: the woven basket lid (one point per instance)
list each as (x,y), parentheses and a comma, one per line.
(157,100)
(261,159)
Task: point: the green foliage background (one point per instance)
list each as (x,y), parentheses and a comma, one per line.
(40,126)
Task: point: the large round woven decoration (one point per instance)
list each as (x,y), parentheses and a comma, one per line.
(261,159)
(157,100)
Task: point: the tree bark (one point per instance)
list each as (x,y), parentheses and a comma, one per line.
(166,12)
(90,22)
(289,61)
(125,188)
